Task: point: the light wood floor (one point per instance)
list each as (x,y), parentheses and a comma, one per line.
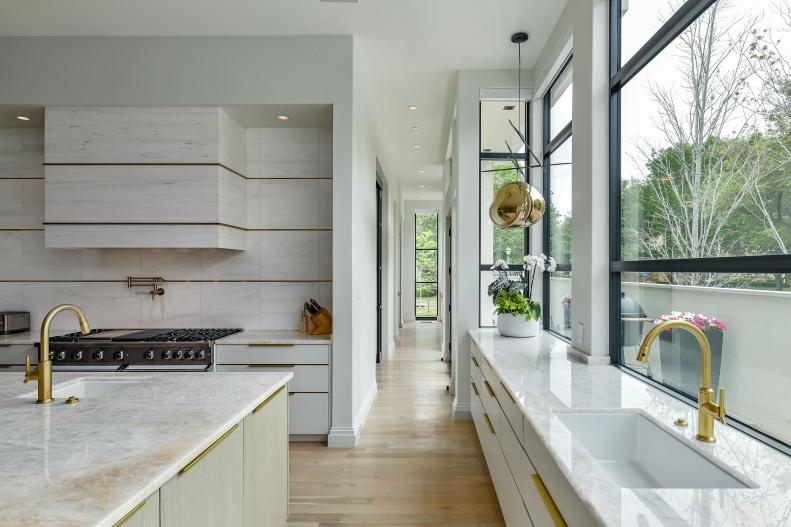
(414,464)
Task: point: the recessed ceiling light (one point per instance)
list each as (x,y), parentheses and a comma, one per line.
(412,107)
(416,146)
(425,186)
(283,117)
(422,171)
(415,130)
(23,117)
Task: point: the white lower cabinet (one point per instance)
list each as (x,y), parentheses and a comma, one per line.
(523,496)
(210,490)
(241,479)
(308,413)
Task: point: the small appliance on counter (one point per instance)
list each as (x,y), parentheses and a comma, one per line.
(14,322)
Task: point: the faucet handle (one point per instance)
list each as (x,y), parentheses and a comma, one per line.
(30,375)
(721,406)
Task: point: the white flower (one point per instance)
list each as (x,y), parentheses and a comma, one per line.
(499,265)
(552,265)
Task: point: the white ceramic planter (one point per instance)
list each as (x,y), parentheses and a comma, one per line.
(516,326)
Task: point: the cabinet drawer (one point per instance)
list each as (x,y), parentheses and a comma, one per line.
(307,378)
(522,470)
(308,413)
(272,354)
(14,354)
(508,403)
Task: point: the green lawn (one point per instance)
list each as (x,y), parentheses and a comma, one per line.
(426,307)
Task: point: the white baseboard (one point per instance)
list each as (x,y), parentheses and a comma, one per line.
(461,412)
(349,436)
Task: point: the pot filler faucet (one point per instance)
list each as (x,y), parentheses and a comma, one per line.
(707,409)
(43,373)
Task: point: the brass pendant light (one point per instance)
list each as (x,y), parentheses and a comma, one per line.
(518,205)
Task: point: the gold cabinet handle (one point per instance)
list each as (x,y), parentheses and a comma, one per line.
(257,408)
(271,365)
(489,389)
(262,345)
(488,422)
(208,449)
(474,388)
(508,393)
(475,362)
(549,503)
(129,514)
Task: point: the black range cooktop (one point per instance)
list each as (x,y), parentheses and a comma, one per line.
(147,335)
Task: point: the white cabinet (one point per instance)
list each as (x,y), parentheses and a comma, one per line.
(13,355)
(209,491)
(266,463)
(310,388)
(529,493)
(144,515)
(144,177)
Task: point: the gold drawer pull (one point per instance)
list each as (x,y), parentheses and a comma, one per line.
(208,449)
(488,422)
(269,399)
(129,514)
(474,388)
(508,393)
(489,389)
(271,365)
(262,345)
(475,362)
(549,503)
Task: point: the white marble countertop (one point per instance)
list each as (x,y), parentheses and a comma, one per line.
(544,379)
(274,337)
(89,464)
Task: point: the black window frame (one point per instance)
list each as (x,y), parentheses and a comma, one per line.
(498,156)
(620,75)
(550,145)
(436,266)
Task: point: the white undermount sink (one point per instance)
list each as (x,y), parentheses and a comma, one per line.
(637,453)
(93,388)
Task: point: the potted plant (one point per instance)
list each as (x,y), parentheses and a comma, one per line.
(517,313)
(679,353)
(566,301)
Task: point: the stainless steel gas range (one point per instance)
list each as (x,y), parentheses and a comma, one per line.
(136,349)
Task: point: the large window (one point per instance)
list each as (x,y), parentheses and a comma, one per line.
(426,265)
(558,299)
(701,187)
(497,170)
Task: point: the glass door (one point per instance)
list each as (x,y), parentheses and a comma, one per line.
(426,265)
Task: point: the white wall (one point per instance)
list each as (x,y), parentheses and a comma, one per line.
(151,71)
(466,239)
(408,253)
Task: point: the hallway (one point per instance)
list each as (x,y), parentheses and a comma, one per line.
(414,465)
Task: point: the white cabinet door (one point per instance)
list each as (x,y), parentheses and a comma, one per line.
(144,515)
(309,413)
(209,491)
(266,463)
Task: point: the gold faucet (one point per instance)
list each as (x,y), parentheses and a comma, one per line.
(43,373)
(707,409)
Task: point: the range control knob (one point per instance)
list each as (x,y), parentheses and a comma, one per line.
(118,355)
(149,355)
(51,355)
(189,354)
(165,355)
(178,354)
(98,355)
(60,355)
(200,354)
(77,355)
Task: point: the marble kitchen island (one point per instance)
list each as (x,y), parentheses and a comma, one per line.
(147,439)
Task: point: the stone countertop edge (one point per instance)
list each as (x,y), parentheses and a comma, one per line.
(531,361)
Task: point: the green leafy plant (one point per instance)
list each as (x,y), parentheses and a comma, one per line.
(515,303)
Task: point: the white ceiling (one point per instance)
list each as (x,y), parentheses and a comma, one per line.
(410,50)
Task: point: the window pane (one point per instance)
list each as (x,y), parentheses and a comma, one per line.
(495,127)
(426,266)
(560,302)
(705,163)
(640,19)
(425,300)
(560,102)
(750,354)
(508,245)
(560,203)
(426,230)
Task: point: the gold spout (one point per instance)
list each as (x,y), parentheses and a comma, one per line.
(707,409)
(43,373)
